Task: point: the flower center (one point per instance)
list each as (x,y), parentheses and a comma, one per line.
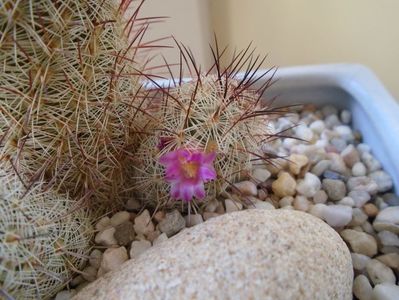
(189,169)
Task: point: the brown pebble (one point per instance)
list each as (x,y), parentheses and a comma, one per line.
(370,209)
(124,233)
(159,216)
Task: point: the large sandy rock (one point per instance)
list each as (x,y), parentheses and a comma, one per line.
(252,254)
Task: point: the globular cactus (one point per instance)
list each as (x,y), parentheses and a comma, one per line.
(44,239)
(70,91)
(208,132)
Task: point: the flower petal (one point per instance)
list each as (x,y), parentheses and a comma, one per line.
(207,173)
(186,192)
(199,190)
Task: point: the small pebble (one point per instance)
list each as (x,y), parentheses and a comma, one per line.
(95,258)
(212,206)
(320,197)
(385,291)
(77,280)
(103,223)
(363,148)
(371,163)
(358,217)
(320,167)
(360,242)
(335,189)
(350,156)
(388,238)
(297,162)
(387,219)
(133,205)
(173,223)
(245,188)
(317,210)
(287,200)
(139,247)
(301,203)
(371,210)
(143,224)
(391,199)
(346,116)
(360,197)
(379,273)
(317,126)
(232,205)
(258,204)
(359,261)
(161,238)
(284,185)
(362,183)
(359,169)
(194,219)
(119,218)
(89,273)
(337,163)
(106,237)
(337,215)
(113,258)
(159,216)
(260,175)
(308,186)
(209,215)
(391,260)
(65,295)
(362,288)
(383,181)
(124,233)
(339,144)
(348,201)
(303,132)
(331,121)
(333,175)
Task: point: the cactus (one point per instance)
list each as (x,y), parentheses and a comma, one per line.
(69,91)
(44,239)
(211,113)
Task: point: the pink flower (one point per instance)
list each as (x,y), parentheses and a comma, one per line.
(187,171)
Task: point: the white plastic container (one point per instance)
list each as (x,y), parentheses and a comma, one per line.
(374,112)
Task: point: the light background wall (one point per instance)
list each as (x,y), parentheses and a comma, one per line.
(292,32)
(296,32)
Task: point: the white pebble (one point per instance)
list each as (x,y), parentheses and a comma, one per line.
(348,201)
(346,116)
(261,175)
(258,204)
(103,223)
(359,169)
(317,210)
(388,238)
(343,130)
(337,215)
(380,273)
(309,186)
(317,126)
(359,261)
(193,219)
(246,187)
(303,132)
(362,288)
(106,237)
(285,201)
(387,219)
(89,273)
(143,224)
(161,238)
(301,203)
(139,247)
(119,218)
(65,295)
(113,258)
(232,205)
(385,291)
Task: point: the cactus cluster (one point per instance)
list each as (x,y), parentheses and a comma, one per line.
(218,113)
(44,239)
(69,91)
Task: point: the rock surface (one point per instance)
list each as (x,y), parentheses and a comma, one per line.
(252,254)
